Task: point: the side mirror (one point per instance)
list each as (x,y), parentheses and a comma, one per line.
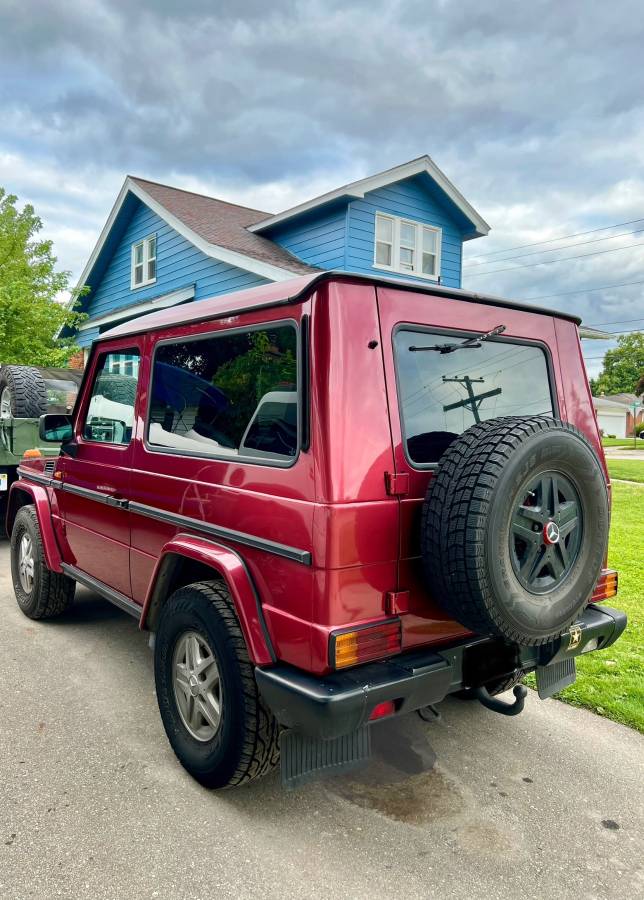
(55,427)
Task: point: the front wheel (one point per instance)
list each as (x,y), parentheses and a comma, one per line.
(216,722)
(41,593)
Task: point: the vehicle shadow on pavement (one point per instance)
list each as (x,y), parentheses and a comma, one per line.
(401,748)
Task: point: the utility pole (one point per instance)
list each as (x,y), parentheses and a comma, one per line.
(473,401)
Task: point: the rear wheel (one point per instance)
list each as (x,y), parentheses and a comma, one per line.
(41,593)
(216,722)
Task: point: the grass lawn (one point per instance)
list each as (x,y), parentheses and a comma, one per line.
(611,682)
(627,443)
(627,470)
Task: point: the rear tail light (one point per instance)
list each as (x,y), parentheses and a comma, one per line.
(606,586)
(365,643)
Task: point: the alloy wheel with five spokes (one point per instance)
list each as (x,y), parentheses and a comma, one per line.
(197,685)
(546,531)
(26,563)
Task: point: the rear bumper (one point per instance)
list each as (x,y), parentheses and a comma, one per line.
(337,704)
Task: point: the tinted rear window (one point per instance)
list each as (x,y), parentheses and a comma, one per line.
(443,394)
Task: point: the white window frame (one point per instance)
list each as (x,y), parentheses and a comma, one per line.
(147,258)
(395,266)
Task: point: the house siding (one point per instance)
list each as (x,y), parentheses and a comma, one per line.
(318,239)
(409,199)
(179,265)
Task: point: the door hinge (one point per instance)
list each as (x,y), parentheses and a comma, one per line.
(397,483)
(396,603)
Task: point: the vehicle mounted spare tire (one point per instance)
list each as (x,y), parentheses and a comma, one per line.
(515,528)
(23,393)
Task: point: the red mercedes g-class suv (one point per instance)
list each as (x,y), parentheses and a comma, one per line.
(330,500)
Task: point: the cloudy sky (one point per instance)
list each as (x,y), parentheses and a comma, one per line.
(534,110)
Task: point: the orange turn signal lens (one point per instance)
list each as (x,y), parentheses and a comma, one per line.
(32,454)
(606,586)
(368,642)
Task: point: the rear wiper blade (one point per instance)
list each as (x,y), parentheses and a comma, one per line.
(470,344)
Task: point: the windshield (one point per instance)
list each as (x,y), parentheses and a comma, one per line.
(441,395)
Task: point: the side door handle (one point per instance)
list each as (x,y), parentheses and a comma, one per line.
(118,502)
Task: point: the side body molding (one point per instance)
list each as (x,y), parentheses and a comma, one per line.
(24,492)
(232,568)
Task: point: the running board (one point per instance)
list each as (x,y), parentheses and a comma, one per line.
(115,597)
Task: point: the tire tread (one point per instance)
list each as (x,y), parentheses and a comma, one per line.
(454,516)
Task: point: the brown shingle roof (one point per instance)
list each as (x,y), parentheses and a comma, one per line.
(223,224)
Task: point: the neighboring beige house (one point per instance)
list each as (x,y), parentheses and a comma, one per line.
(615,413)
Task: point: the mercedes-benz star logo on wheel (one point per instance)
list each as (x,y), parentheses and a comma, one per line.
(551,533)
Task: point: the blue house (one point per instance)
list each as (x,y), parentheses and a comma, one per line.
(162,246)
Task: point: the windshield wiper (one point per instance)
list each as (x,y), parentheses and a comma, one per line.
(470,344)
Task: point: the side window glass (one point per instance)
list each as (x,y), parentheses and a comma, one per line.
(230,394)
(110,414)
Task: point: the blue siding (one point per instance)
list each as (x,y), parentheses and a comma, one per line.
(318,238)
(339,236)
(179,265)
(410,199)
(85,338)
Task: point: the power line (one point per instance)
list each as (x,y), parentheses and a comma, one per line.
(602,287)
(550,262)
(562,238)
(609,237)
(618,322)
(627,331)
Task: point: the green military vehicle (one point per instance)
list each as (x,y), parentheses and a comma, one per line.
(26,393)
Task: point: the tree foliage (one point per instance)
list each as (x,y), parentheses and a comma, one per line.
(30,316)
(623,368)
(268,364)
(639,387)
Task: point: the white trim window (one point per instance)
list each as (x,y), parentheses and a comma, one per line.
(144,262)
(408,247)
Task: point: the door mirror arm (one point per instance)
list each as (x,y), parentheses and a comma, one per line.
(69,448)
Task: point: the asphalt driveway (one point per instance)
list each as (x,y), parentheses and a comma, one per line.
(93,803)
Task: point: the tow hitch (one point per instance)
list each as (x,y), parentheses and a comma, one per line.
(500,706)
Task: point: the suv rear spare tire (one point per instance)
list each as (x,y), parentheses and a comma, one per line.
(515,528)
(23,393)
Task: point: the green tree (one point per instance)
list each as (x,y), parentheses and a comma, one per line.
(623,367)
(268,364)
(30,316)
(639,387)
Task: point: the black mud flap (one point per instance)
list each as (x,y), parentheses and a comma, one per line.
(555,677)
(304,758)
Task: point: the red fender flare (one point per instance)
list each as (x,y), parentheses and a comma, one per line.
(39,496)
(232,568)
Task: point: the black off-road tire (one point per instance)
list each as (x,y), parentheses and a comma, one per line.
(118,388)
(52,592)
(27,389)
(466,527)
(246,744)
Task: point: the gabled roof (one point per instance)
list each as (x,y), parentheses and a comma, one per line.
(221,224)
(217,228)
(625,399)
(357,189)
